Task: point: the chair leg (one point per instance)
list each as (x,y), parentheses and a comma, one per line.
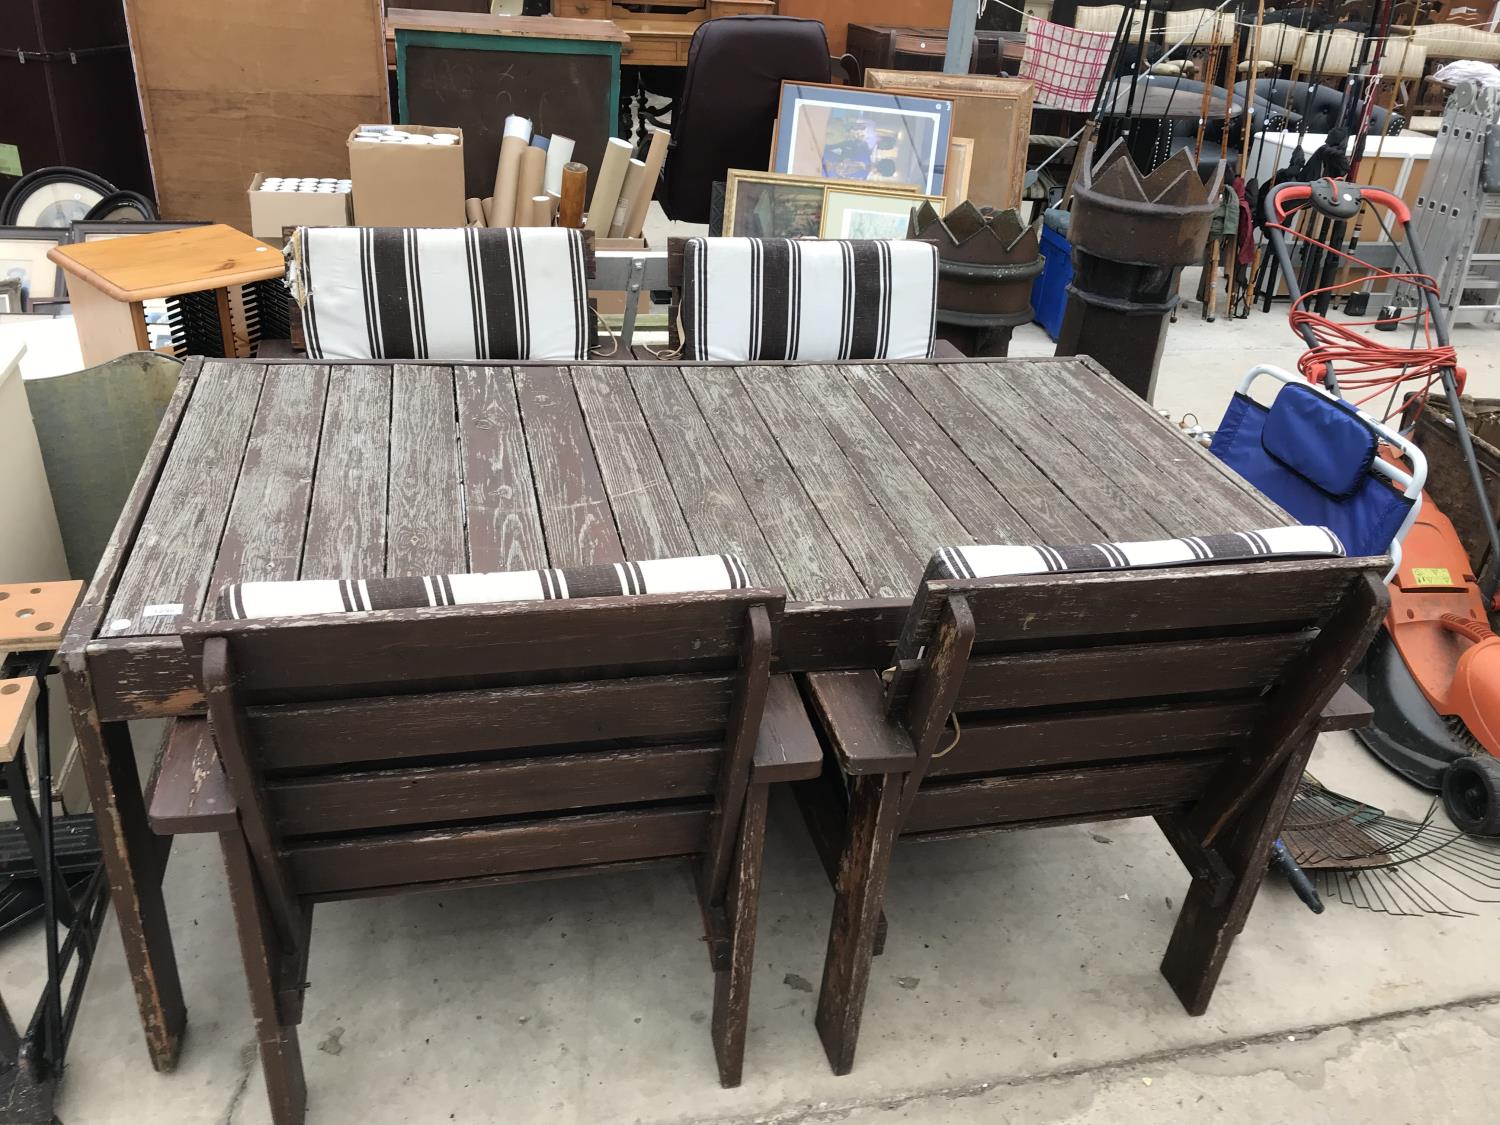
(1210,918)
(732,984)
(874,810)
(822,801)
(280,1053)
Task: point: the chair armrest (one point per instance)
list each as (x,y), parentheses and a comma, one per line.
(850,707)
(787,748)
(189,792)
(1345,711)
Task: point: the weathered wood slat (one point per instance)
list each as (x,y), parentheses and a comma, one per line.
(886,564)
(807,552)
(1093,736)
(911,503)
(850,707)
(1112,394)
(167,573)
(263,537)
(1189,474)
(1114,506)
(1054,515)
(430,857)
(346,521)
(1057,793)
(307,735)
(576,519)
(646,511)
(787,749)
(1109,672)
(505,531)
(425,521)
(987,515)
(710,499)
(189,792)
(1139,472)
(435,794)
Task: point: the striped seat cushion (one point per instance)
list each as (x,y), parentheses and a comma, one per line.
(343,595)
(441,293)
(749,299)
(1239,546)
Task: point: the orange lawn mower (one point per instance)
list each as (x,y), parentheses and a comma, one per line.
(1432,675)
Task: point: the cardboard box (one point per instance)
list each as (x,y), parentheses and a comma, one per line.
(272,211)
(404,185)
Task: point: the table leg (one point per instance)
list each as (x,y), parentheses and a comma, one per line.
(135,863)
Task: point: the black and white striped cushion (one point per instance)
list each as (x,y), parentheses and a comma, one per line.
(1239,546)
(342,595)
(442,293)
(749,299)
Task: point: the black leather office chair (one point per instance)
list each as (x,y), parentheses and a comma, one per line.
(730,96)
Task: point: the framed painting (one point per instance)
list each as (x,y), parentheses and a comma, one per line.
(23,256)
(863,136)
(994,111)
(860,212)
(770,205)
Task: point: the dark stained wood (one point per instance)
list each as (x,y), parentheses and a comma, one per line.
(1024,741)
(1052,514)
(189,792)
(808,553)
(1109,672)
(787,749)
(986,514)
(425,518)
(887,566)
(1345,711)
(711,500)
(415,646)
(731,1016)
(414,858)
(646,511)
(576,519)
(908,500)
(741,733)
(346,522)
(166,574)
(312,735)
(505,532)
(933,691)
(1034,796)
(1114,505)
(483,790)
(851,710)
(263,538)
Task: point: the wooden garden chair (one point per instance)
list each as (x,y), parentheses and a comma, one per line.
(394,750)
(1191,694)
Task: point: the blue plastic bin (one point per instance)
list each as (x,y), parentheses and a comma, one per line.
(1049,292)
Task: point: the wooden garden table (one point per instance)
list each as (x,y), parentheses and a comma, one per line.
(834,481)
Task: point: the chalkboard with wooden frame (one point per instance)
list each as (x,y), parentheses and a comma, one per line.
(473,71)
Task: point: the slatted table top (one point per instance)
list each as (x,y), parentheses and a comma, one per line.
(834,482)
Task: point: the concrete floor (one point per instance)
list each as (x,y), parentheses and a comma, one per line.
(1019,984)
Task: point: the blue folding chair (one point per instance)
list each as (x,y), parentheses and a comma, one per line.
(1318,457)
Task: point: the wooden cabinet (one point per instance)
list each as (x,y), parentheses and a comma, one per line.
(837,15)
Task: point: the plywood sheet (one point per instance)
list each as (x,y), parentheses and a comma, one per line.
(231,90)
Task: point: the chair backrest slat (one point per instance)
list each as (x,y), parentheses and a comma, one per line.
(369,761)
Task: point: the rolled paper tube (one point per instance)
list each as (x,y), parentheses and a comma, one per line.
(487,207)
(607,185)
(656,156)
(635,181)
(559,153)
(529,184)
(552,202)
(508,170)
(540,142)
(541,210)
(474,211)
(575,185)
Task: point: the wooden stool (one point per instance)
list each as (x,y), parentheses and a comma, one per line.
(60,855)
(109,280)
